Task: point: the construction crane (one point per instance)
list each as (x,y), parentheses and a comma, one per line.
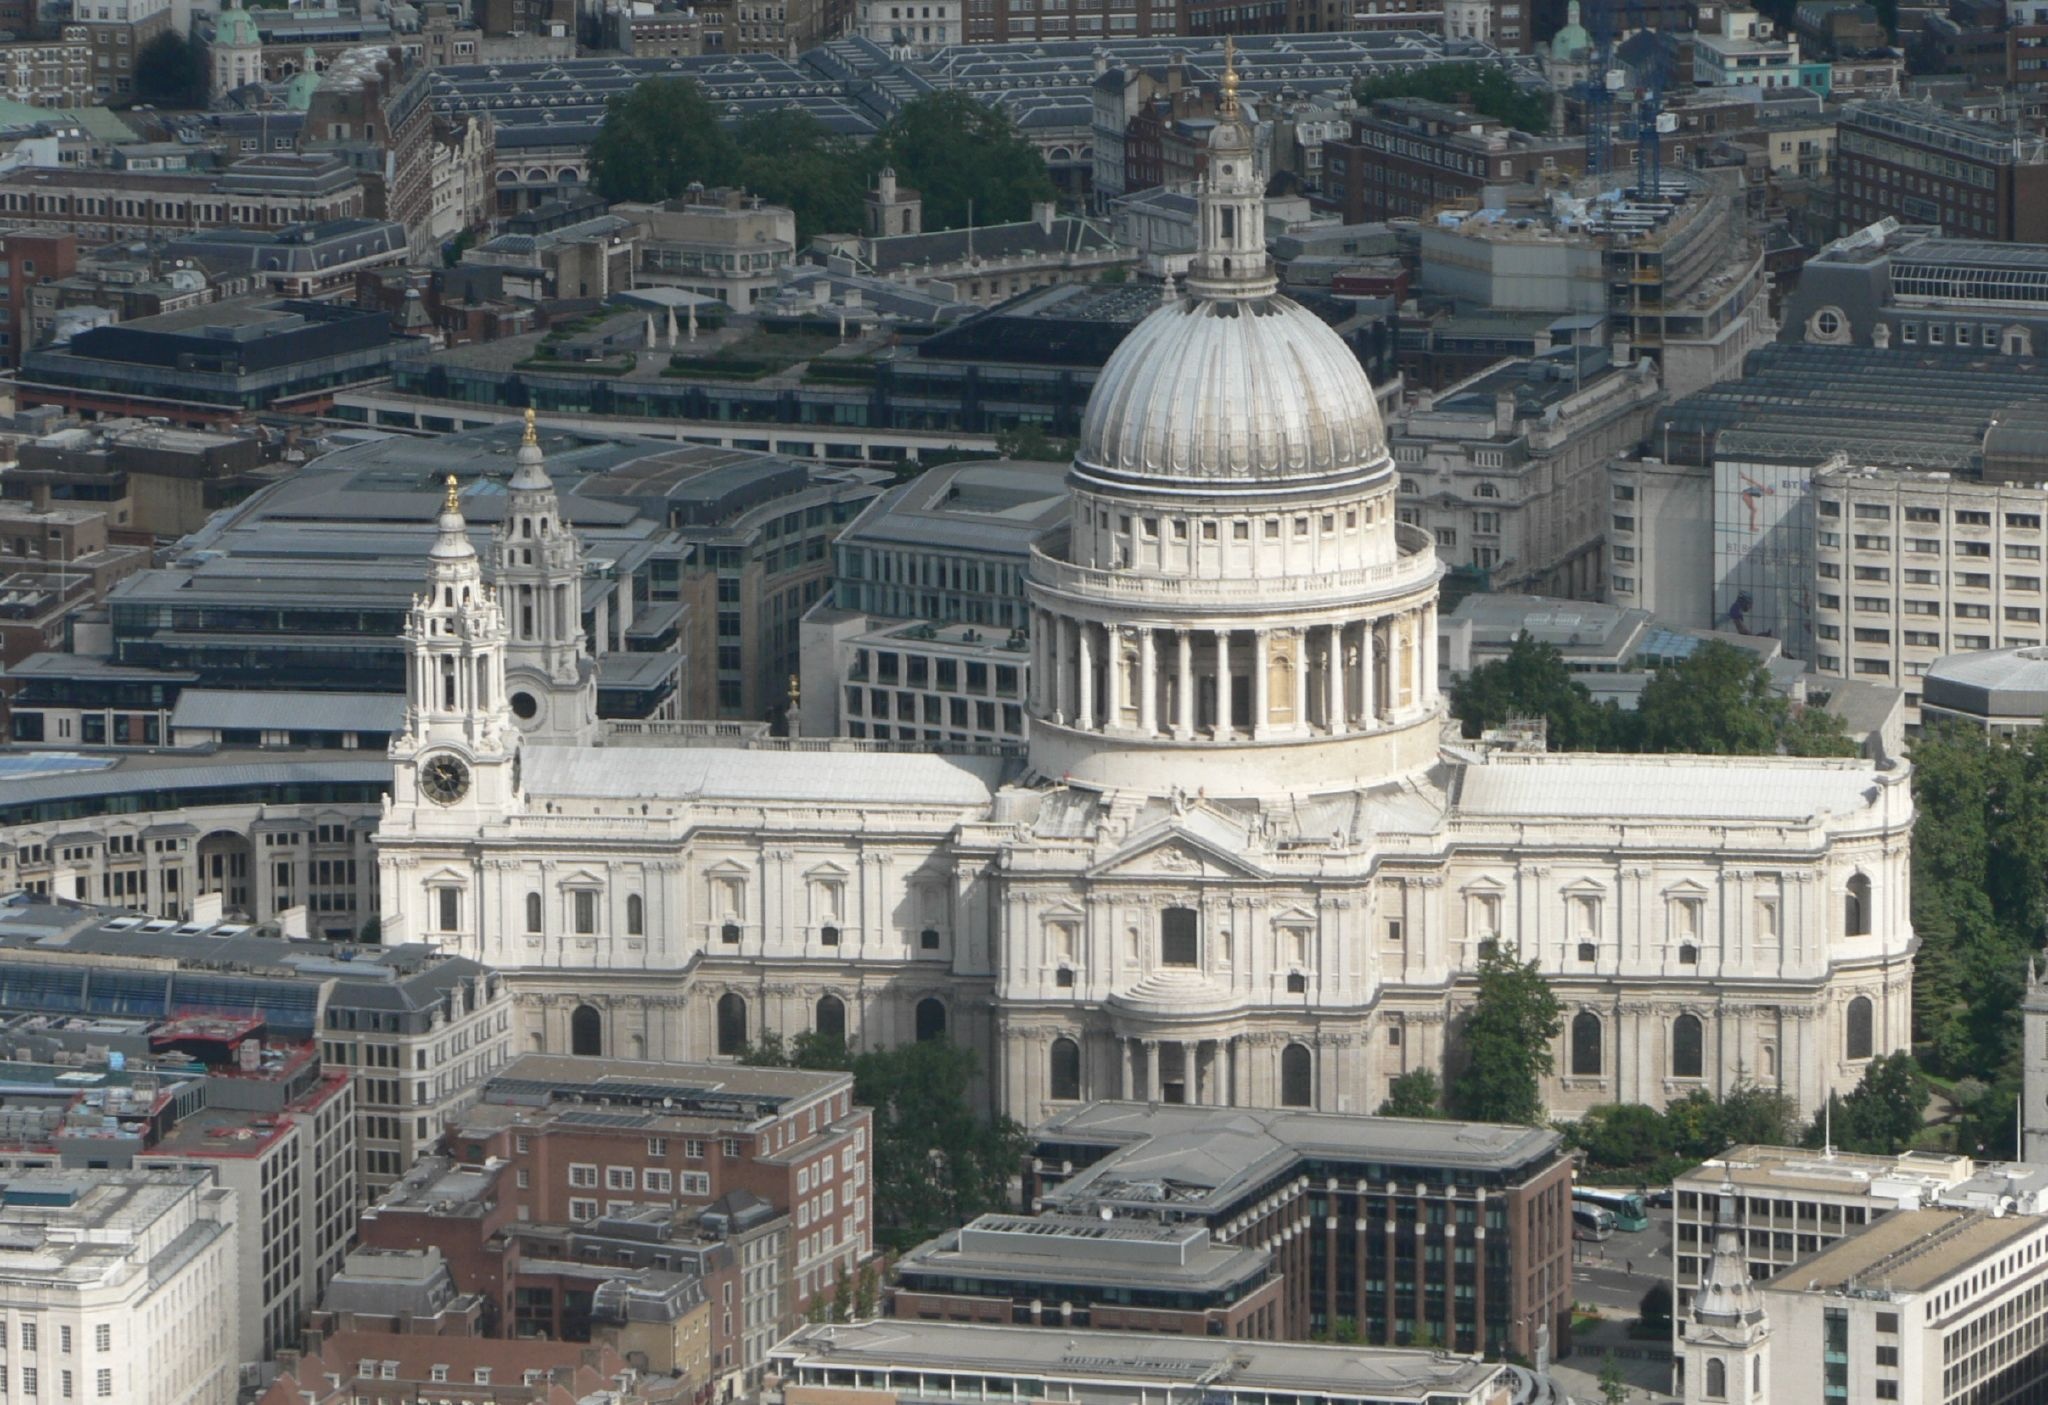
(1601,84)
(1653,123)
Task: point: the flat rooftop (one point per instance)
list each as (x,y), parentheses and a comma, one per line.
(1910,1252)
(558,1085)
(1202,1160)
(1086,1249)
(1124,1366)
(1001,506)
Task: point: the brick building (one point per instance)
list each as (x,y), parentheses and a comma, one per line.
(1407,1230)
(49,73)
(1408,155)
(117,31)
(100,206)
(29,258)
(1921,165)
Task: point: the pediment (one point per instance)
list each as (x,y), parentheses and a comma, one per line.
(1176,851)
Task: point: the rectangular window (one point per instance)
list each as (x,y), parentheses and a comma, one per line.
(449,915)
(583,1177)
(586,912)
(657,1181)
(618,1178)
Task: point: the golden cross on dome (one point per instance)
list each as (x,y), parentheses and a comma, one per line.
(453,488)
(532,432)
(1229,103)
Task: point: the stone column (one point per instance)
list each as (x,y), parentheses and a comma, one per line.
(1184,721)
(1113,676)
(1127,1065)
(1084,680)
(1190,1072)
(1223,683)
(1057,694)
(1226,1085)
(1148,680)
(1428,685)
(1333,676)
(1368,703)
(1262,669)
(1152,1070)
(1300,637)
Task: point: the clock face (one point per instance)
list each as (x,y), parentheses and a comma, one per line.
(445,780)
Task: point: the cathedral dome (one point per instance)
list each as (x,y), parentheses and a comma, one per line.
(1219,390)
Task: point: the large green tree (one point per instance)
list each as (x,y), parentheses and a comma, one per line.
(170,71)
(1716,702)
(1882,1114)
(958,153)
(937,1163)
(1532,680)
(657,139)
(1980,892)
(1416,1093)
(1505,1040)
(789,157)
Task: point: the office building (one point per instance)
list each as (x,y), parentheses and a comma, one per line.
(924,636)
(1999,690)
(1508,469)
(1456,1232)
(1922,165)
(120,1285)
(1892,285)
(843,1364)
(1070,1271)
(417,1030)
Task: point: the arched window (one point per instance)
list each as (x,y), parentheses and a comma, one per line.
(1859,1027)
(1856,907)
(1586,1044)
(1297,1084)
(1066,1070)
(533,912)
(730,934)
(931,1019)
(1687,1057)
(831,1018)
(828,936)
(586,1032)
(732,1024)
(1717,1378)
(636,916)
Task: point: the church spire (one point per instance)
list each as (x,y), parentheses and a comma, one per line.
(538,567)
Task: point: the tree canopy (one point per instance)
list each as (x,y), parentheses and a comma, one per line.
(937,1163)
(1718,701)
(663,136)
(170,71)
(1980,892)
(1506,1042)
(1628,1141)
(1484,88)
(1416,1093)
(657,140)
(957,153)
(1882,1114)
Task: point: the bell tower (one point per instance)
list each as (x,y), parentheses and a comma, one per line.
(1726,1347)
(1230,260)
(459,752)
(537,561)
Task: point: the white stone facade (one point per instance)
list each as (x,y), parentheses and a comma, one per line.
(1241,864)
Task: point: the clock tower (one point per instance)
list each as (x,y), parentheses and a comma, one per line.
(458,754)
(537,566)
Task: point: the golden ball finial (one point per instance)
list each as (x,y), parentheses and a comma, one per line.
(454,488)
(1229,102)
(532,430)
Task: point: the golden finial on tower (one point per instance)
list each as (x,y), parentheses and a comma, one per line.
(1228,106)
(451,505)
(532,438)
(796,692)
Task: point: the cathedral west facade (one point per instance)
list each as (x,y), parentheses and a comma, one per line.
(1241,864)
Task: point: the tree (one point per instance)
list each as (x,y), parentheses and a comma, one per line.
(1506,1037)
(936,1163)
(1486,89)
(959,155)
(842,1299)
(789,157)
(1617,1136)
(1532,680)
(1883,1114)
(657,139)
(1814,731)
(372,931)
(170,71)
(1416,1093)
(867,1293)
(1655,1308)
(1613,1385)
(1717,701)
